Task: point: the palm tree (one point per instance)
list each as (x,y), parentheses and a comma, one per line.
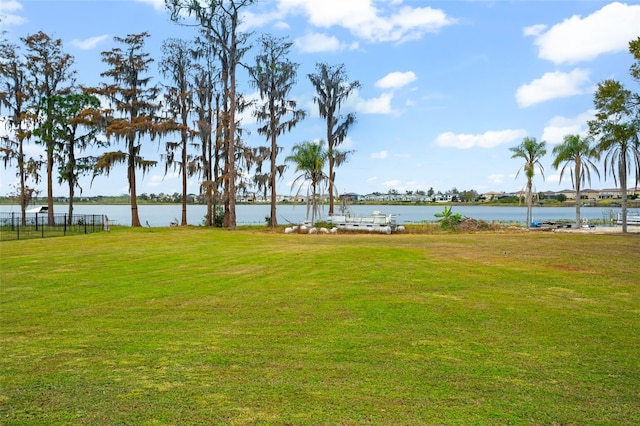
(617,127)
(310,158)
(576,151)
(332,89)
(531,151)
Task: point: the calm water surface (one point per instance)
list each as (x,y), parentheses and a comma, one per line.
(162,215)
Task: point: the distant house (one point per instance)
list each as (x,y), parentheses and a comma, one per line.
(374,197)
(589,194)
(491,195)
(350,197)
(606,194)
(569,193)
(445,198)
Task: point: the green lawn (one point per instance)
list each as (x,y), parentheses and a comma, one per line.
(198,326)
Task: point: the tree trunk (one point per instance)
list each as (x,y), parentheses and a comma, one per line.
(529,203)
(23,183)
(209,220)
(230,221)
(131,170)
(207,175)
(212,178)
(184,176)
(578,187)
(331,161)
(330,144)
(273,221)
(50,186)
(72,180)
(212,166)
(71,192)
(623,190)
(313,205)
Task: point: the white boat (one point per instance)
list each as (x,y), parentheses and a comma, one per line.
(41,209)
(376,222)
(633,218)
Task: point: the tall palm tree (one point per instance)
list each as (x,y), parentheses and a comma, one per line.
(531,151)
(310,159)
(576,151)
(332,89)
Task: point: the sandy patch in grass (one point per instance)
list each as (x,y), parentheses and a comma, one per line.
(601,230)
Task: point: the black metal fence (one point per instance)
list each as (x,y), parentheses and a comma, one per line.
(37,225)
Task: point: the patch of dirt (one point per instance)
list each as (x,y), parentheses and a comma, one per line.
(569,268)
(469,224)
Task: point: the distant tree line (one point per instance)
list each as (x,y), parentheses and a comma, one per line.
(194,111)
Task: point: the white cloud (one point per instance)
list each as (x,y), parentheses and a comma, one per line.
(379,105)
(487,139)
(392,184)
(157,180)
(395,80)
(559,126)
(254,20)
(380,155)
(246,117)
(402,187)
(10,6)
(365,19)
(555,178)
(553,85)
(412,23)
(157,4)
(89,43)
(496,178)
(347,144)
(319,42)
(578,39)
(534,30)
(281,25)
(7,13)
(405,157)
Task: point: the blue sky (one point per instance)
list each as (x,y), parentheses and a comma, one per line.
(446,86)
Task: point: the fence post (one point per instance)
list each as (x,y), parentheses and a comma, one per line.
(64,227)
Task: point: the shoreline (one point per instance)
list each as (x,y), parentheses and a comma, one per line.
(633,204)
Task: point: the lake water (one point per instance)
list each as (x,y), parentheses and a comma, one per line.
(162,215)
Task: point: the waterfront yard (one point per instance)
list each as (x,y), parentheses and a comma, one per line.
(168,326)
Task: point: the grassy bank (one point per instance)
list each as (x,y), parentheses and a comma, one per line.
(198,326)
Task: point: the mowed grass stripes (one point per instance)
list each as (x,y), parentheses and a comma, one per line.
(199,326)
